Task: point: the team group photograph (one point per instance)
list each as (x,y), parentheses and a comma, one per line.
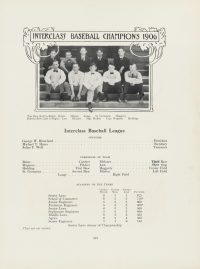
(79,76)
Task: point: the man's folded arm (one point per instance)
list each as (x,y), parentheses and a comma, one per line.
(47,78)
(62,78)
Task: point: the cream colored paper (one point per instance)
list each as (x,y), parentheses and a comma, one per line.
(168,236)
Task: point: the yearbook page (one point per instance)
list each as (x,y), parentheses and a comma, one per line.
(100,135)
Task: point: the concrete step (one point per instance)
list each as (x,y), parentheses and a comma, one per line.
(111,97)
(145,87)
(42,79)
(41,70)
(144,65)
(145,80)
(129,97)
(144,72)
(83,105)
(54,96)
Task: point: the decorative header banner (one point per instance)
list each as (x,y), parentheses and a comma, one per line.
(152,39)
(64,36)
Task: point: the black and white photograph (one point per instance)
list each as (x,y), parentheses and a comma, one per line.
(94,77)
(99,162)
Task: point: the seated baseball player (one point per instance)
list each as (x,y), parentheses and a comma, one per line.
(48,62)
(92,82)
(55,82)
(121,63)
(83,60)
(112,82)
(100,61)
(76,82)
(133,82)
(67,63)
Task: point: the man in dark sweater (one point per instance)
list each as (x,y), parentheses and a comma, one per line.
(83,60)
(48,62)
(121,63)
(66,63)
(101,62)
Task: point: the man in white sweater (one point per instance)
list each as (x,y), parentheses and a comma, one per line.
(112,82)
(92,82)
(76,82)
(55,81)
(133,83)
